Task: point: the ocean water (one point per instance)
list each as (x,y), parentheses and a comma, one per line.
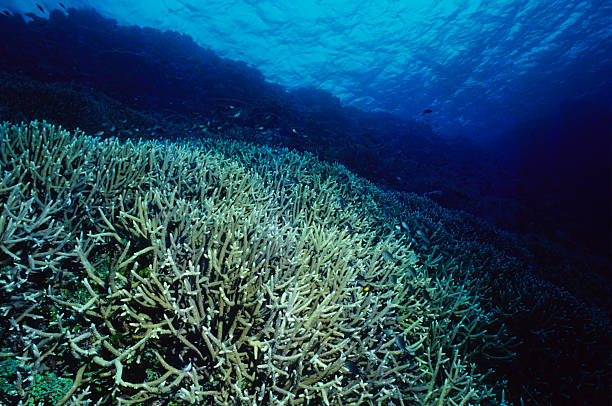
(485,127)
(481,66)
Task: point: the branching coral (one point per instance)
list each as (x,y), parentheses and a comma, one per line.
(224,273)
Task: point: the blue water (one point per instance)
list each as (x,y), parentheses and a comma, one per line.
(480,66)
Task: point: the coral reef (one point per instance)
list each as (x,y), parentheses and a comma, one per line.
(553,325)
(217,272)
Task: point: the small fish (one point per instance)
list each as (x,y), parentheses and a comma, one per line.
(412,258)
(16,326)
(352,367)
(100,133)
(366,289)
(236,115)
(62,6)
(426,295)
(42,10)
(294,130)
(260,127)
(360,280)
(404,226)
(427,111)
(433,193)
(400,342)
(410,271)
(388,256)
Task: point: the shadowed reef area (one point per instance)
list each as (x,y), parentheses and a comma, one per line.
(219,272)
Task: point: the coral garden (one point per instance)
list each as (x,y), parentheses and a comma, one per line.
(217,272)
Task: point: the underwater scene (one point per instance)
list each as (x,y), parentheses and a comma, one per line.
(305,203)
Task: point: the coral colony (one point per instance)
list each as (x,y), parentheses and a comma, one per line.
(175,273)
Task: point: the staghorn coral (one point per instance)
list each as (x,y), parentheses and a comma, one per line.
(218,272)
